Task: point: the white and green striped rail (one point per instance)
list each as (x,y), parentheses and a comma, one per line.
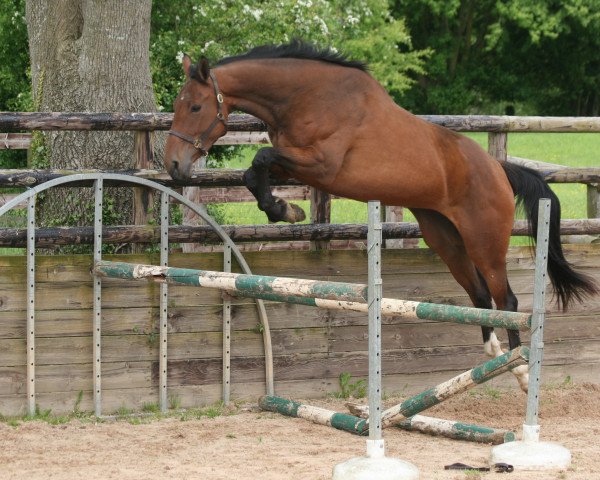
(402,415)
(461,383)
(331,295)
(348,296)
(359,425)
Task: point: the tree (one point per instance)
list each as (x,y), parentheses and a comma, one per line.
(553,50)
(14,82)
(540,55)
(89,56)
(362,29)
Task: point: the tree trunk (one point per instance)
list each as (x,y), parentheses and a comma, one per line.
(89,56)
(189,217)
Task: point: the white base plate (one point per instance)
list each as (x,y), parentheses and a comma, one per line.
(368,468)
(532,455)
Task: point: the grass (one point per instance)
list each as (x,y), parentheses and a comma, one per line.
(13,219)
(149,412)
(569,149)
(348,389)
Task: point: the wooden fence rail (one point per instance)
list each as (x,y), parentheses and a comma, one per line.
(246,129)
(56,236)
(15,121)
(232,177)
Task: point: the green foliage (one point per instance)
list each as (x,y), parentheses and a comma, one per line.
(363,29)
(152,339)
(174,402)
(217,212)
(219,409)
(14,69)
(528,56)
(77,406)
(123,411)
(348,389)
(150,412)
(152,407)
(39,158)
(258,328)
(14,81)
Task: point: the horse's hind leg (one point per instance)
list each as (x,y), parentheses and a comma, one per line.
(443,237)
(487,245)
(256,179)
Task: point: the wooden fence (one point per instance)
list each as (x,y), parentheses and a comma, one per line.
(311,347)
(225,186)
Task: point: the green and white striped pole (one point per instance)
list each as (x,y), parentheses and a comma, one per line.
(456,430)
(321,416)
(235,282)
(331,295)
(359,426)
(454,386)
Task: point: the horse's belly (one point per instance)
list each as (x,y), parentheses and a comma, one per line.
(398,186)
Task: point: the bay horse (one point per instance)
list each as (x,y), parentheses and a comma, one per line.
(334,127)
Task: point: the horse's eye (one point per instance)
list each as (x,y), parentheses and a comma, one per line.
(196,108)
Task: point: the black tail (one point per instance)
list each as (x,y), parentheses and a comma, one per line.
(529,186)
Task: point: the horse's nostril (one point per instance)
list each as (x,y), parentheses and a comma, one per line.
(175,164)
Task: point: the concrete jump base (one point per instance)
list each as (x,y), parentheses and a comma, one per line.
(379,468)
(527,455)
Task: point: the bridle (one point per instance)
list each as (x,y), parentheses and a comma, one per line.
(199,141)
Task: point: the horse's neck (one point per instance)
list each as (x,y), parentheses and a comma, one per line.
(258,89)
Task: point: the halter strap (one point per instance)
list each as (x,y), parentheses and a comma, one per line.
(199,141)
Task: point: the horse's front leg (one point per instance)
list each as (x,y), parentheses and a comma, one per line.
(257,181)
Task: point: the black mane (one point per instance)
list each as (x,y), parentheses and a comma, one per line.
(296,49)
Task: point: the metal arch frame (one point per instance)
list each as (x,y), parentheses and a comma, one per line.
(230,247)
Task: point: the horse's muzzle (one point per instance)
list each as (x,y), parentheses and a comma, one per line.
(178,173)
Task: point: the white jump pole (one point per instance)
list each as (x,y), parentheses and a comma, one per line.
(375,465)
(530,453)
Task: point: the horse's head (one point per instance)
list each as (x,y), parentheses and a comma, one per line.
(198,122)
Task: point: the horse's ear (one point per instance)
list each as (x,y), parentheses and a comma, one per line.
(187,63)
(204,68)
(200,71)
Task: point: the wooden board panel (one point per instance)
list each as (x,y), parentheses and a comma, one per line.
(135,348)
(205,371)
(301,264)
(311,346)
(202,395)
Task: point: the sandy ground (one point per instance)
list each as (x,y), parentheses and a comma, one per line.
(259,445)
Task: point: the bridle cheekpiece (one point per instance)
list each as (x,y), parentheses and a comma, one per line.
(198,142)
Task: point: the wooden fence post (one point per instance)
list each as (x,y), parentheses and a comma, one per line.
(497,142)
(320,212)
(190,218)
(142,197)
(593,204)
(593,200)
(396,215)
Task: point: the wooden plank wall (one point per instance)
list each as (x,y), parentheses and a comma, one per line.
(311,346)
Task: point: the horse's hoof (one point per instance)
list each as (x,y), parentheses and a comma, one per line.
(294,213)
(285,212)
(522,374)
